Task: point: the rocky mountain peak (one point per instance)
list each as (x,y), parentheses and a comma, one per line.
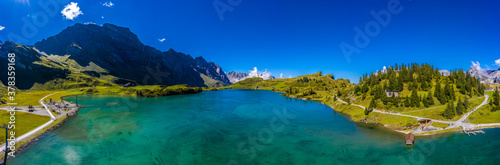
(120,51)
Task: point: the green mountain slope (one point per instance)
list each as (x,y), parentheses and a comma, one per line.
(314,86)
(423,91)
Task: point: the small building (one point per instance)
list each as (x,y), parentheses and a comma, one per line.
(391,93)
(487,81)
(425,122)
(410,139)
(492,87)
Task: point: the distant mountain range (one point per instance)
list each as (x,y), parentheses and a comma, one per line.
(445,72)
(235,77)
(483,74)
(108,51)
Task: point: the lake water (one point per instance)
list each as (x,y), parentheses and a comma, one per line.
(239,127)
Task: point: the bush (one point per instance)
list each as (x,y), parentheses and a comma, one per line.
(368,111)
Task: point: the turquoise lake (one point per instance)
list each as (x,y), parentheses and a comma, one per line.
(239,127)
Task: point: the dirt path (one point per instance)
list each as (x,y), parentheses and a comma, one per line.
(34,131)
(462,122)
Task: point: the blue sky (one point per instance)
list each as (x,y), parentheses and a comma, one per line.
(292,37)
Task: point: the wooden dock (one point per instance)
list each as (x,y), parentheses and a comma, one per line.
(473,132)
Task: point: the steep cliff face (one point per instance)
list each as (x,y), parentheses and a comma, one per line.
(123,55)
(234,77)
(211,70)
(27,70)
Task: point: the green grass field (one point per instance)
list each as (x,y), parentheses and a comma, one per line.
(437,111)
(299,87)
(32,97)
(484,115)
(357,114)
(25,122)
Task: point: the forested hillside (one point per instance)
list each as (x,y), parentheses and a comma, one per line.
(419,86)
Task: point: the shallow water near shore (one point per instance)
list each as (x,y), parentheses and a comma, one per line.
(239,127)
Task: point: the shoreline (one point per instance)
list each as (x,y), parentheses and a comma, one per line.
(442,131)
(349,116)
(35,138)
(375,123)
(55,122)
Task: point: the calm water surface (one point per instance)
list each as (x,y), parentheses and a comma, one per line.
(239,127)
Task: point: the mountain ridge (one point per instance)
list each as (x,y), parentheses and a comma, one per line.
(120,54)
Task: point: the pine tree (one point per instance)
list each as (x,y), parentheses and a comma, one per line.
(449,112)
(447,91)
(452,90)
(437,90)
(415,100)
(466,103)
(395,101)
(407,102)
(414,84)
(430,99)
(460,107)
(373,104)
(453,110)
(425,102)
(496,98)
(367,111)
(365,88)
(442,96)
(400,86)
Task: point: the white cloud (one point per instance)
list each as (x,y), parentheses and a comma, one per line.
(102,17)
(290,76)
(71,11)
(256,73)
(281,75)
(1,28)
(161,40)
(108,4)
(478,70)
(497,62)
